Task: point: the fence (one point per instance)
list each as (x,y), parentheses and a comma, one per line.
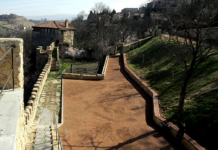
(12,69)
(82,70)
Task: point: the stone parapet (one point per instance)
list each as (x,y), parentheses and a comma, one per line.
(43,56)
(32,105)
(133,45)
(55,138)
(6,62)
(187,141)
(88,77)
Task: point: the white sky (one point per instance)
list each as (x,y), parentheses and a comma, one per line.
(52,7)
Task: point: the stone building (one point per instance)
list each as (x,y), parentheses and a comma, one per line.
(168,3)
(54,31)
(130,11)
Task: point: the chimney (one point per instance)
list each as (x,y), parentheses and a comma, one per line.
(66,23)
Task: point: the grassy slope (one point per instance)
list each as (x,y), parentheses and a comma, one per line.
(165,77)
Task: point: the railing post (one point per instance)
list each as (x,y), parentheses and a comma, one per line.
(12,57)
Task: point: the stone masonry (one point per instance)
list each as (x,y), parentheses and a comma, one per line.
(54,31)
(6,63)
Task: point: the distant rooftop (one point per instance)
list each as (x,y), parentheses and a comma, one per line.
(55,25)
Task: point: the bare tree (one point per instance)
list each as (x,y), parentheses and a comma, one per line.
(125,28)
(195,23)
(82,33)
(101,8)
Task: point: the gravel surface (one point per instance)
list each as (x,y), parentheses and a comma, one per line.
(113,113)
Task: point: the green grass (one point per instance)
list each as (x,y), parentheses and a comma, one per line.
(54,75)
(165,75)
(80,66)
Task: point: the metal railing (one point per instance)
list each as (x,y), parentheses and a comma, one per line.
(12,68)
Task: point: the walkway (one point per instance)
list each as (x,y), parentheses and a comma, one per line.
(110,114)
(48,109)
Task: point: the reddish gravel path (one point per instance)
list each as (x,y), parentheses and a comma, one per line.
(110,114)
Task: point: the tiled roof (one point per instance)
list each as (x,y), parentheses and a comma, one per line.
(53,24)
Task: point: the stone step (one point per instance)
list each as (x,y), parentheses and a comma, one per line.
(43,126)
(43,129)
(49,148)
(39,143)
(39,136)
(42,140)
(43,133)
(42,146)
(39,147)
(43,136)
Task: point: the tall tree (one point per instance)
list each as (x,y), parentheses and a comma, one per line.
(194,22)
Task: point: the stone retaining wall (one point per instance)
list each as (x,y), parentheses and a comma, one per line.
(88,77)
(6,63)
(187,141)
(133,45)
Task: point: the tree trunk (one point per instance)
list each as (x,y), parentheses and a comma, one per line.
(183,93)
(185,83)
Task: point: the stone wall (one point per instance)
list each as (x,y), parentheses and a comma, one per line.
(31,109)
(5,69)
(43,55)
(20,139)
(68,37)
(45,36)
(27,114)
(187,141)
(6,63)
(133,45)
(88,77)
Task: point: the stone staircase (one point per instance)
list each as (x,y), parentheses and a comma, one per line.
(43,140)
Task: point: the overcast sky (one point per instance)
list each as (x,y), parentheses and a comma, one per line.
(52,7)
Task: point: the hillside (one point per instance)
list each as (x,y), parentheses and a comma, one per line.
(8,21)
(164,74)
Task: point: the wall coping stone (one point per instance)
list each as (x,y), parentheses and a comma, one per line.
(154,95)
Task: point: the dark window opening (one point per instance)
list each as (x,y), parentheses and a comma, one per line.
(57,42)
